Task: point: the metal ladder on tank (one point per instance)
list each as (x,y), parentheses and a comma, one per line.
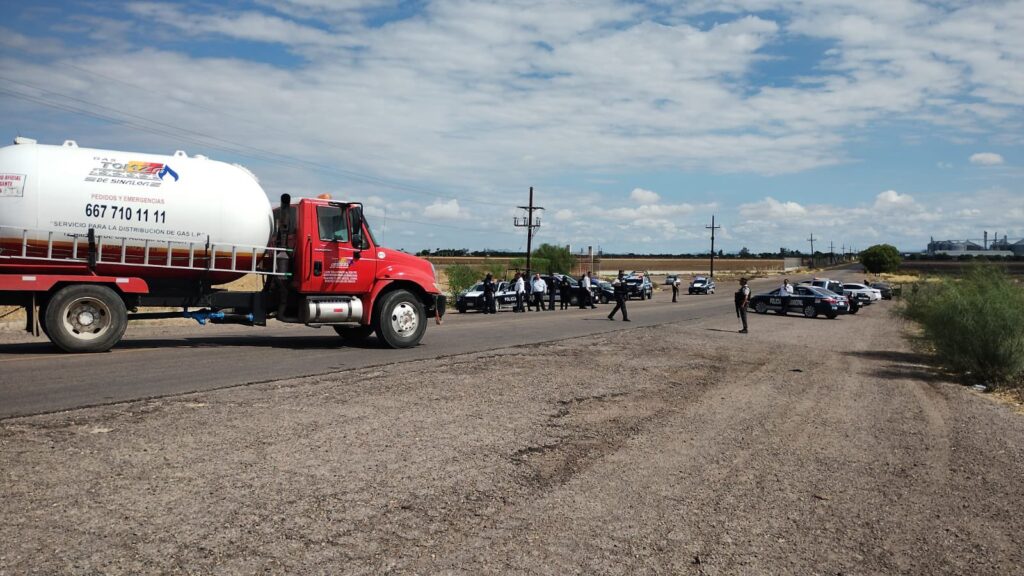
(27,242)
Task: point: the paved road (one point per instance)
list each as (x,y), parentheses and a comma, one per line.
(155,361)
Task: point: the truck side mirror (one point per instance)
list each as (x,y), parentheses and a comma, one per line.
(355,222)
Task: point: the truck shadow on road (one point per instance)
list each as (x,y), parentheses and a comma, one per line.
(284,342)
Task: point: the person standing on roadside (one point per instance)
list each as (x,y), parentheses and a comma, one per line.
(621,295)
(565,292)
(785,292)
(539,288)
(520,292)
(586,297)
(675,289)
(489,307)
(552,289)
(742,298)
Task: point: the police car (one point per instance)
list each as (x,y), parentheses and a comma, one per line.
(702,285)
(473,299)
(807,300)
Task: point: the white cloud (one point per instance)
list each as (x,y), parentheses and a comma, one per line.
(891,199)
(771,208)
(986,159)
(466,96)
(641,196)
(445,210)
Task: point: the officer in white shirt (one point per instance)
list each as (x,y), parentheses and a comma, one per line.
(586,297)
(520,292)
(539,288)
(785,291)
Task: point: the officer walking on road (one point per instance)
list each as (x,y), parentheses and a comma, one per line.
(621,295)
(742,298)
(675,288)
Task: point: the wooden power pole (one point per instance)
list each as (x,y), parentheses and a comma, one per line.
(530,225)
(712,228)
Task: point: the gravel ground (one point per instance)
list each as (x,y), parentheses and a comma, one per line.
(805,447)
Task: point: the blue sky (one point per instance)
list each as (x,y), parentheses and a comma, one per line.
(860,121)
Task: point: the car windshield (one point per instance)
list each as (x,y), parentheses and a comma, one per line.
(478,287)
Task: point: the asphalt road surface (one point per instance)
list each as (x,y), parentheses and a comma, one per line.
(160,360)
(676,446)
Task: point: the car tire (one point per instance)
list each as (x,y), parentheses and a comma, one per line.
(831,315)
(810,311)
(462,310)
(761,308)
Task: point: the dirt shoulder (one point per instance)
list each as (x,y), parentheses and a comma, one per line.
(805,447)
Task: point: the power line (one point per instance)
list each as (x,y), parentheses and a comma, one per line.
(74,109)
(228,146)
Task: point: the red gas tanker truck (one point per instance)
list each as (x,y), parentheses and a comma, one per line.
(91,238)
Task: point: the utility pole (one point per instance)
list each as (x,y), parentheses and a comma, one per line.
(712,228)
(811,240)
(831,253)
(530,226)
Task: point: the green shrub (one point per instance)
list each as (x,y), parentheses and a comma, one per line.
(975,324)
(880,258)
(461,277)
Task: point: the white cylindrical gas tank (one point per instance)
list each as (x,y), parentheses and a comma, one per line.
(155,201)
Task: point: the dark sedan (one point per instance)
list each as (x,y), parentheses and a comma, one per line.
(807,300)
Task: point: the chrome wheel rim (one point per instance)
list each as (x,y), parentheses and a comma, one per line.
(87,318)
(404,320)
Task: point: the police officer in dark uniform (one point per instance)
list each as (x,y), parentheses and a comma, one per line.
(552,290)
(566,292)
(621,295)
(489,306)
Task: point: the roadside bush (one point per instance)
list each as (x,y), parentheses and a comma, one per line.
(880,258)
(461,277)
(975,324)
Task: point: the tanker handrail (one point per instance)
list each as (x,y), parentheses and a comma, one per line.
(30,244)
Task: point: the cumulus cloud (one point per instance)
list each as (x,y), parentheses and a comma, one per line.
(986,159)
(451,96)
(770,208)
(892,199)
(445,210)
(641,196)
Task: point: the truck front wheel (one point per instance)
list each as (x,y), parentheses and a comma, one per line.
(400,320)
(85,318)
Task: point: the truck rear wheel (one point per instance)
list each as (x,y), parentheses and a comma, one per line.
(399,319)
(85,318)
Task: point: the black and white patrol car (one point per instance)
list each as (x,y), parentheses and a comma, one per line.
(702,285)
(807,300)
(473,299)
